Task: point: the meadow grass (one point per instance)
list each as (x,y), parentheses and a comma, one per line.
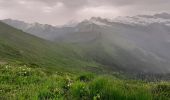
(26,83)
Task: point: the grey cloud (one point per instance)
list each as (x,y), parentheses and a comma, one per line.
(75,3)
(62,11)
(67,3)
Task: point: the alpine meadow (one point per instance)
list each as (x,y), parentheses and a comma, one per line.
(84,50)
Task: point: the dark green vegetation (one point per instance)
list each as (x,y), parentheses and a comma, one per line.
(35,69)
(25,83)
(22,48)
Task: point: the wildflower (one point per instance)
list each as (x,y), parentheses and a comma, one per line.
(6,67)
(69,84)
(28,68)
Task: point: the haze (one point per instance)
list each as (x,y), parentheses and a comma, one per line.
(58,12)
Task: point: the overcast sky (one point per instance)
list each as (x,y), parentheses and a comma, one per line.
(58,12)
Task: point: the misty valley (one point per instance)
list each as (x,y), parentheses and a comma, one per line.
(125,58)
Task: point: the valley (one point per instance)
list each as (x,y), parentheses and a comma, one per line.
(96,59)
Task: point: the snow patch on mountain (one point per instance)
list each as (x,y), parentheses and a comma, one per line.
(142,20)
(99,21)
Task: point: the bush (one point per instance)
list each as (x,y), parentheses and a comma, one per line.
(86,77)
(79,91)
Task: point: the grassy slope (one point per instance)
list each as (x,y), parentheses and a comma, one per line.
(19,46)
(25,83)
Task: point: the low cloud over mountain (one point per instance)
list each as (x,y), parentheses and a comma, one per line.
(132,43)
(59,12)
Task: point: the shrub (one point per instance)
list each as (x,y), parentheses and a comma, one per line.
(86,77)
(79,91)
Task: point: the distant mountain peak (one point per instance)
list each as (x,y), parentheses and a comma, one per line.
(126,41)
(161,18)
(144,20)
(97,21)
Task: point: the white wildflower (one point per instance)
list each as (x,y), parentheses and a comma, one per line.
(6,67)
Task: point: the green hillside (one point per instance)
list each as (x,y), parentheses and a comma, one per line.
(22,48)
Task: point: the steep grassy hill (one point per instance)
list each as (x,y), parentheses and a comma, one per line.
(117,45)
(19,47)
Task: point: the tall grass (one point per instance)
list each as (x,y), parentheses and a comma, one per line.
(25,83)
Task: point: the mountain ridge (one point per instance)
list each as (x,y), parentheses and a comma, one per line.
(129,46)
